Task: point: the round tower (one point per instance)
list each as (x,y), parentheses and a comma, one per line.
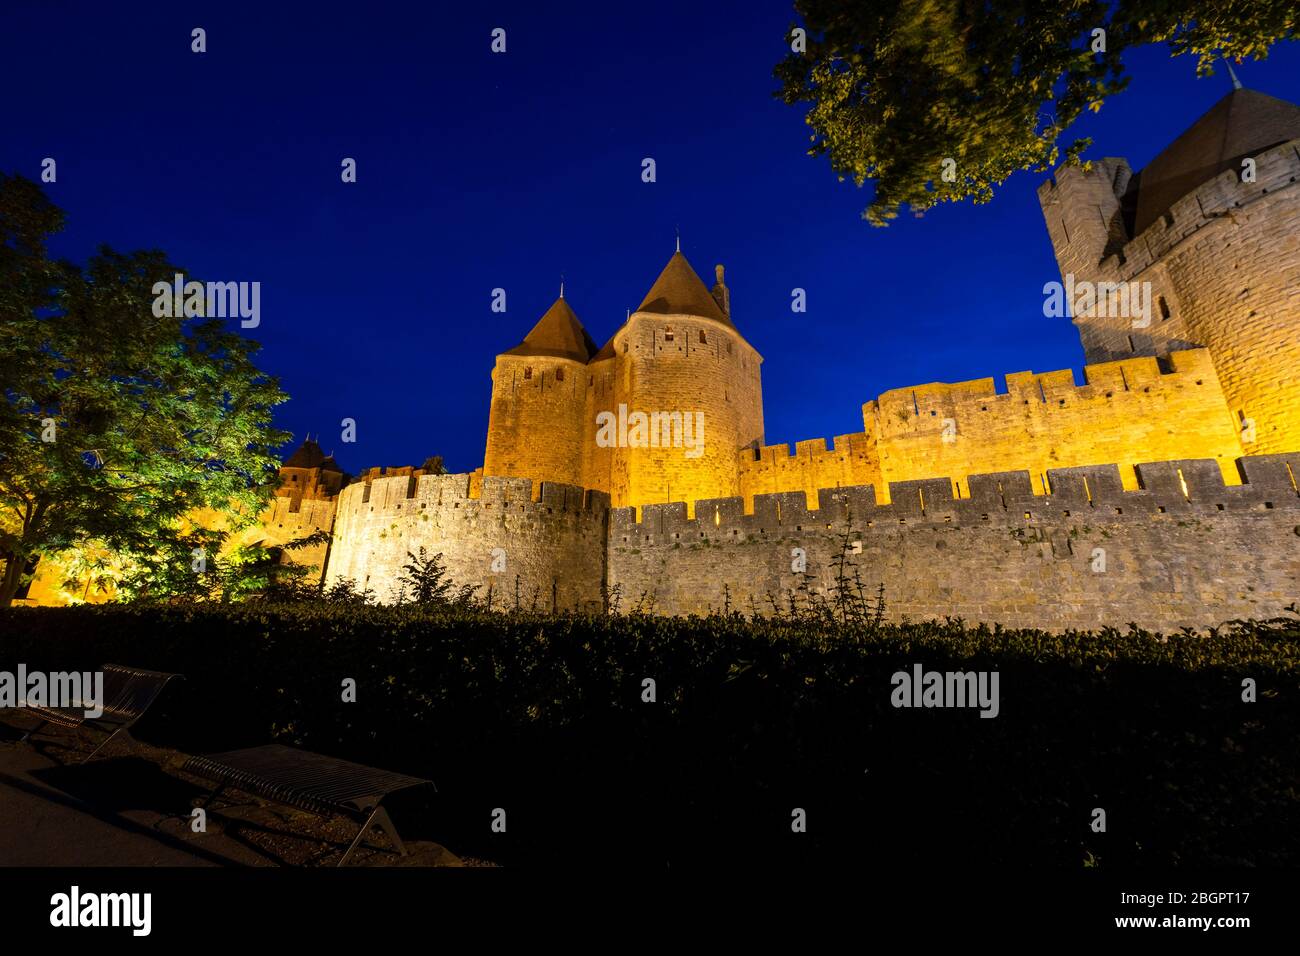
(539,393)
(685,396)
(1204,235)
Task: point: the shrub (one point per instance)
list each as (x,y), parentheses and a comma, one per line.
(543,715)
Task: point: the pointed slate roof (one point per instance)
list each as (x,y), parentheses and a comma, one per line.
(307,455)
(1243,123)
(558,334)
(679,291)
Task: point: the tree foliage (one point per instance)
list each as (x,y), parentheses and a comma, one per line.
(896,87)
(117,425)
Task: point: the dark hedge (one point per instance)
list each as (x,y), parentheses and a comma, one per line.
(543,716)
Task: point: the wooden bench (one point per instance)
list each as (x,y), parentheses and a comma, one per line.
(311,782)
(128,692)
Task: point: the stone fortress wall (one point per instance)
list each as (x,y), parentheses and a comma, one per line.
(1136,409)
(1223,261)
(964,500)
(549,552)
(1182,549)
(678,355)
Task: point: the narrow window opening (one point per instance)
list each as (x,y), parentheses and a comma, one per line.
(1164,308)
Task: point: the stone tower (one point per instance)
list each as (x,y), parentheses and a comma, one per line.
(310,473)
(677,355)
(536,424)
(1210,225)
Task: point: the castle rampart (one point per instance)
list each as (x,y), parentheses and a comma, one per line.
(1128,410)
(544,553)
(1183,548)
(1222,276)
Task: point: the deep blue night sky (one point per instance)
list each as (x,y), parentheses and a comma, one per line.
(478,170)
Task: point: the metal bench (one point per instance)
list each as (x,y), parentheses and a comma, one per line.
(128,692)
(311,782)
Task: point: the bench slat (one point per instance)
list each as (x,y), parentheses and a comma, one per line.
(301,778)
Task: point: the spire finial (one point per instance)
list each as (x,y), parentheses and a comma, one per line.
(561,285)
(679,238)
(1236,83)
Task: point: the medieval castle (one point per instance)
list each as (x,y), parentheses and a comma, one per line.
(1162,490)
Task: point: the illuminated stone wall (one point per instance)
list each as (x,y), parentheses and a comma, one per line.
(850,460)
(1185,550)
(549,552)
(536,423)
(1126,411)
(680,364)
(1225,259)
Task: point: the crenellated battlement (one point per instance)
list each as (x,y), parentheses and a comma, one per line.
(1102,382)
(1181,487)
(1210,206)
(410,490)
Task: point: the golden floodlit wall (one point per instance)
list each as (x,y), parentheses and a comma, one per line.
(1129,411)
(688,365)
(536,423)
(1224,266)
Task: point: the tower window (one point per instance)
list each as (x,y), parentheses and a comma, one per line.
(528,373)
(668,334)
(728,346)
(1164,308)
(704,339)
(559,375)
